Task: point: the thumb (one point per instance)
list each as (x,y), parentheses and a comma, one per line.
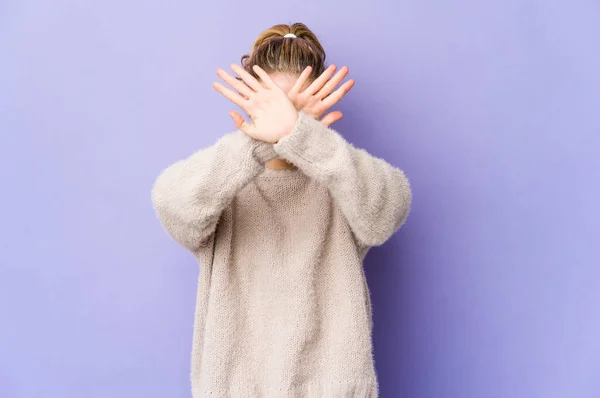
(331,118)
(239,121)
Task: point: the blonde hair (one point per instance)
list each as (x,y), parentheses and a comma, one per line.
(277,54)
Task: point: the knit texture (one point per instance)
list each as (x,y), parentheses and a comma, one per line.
(283,307)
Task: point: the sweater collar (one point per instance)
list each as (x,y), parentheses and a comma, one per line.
(268,172)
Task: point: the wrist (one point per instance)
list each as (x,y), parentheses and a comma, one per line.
(289,127)
(313,115)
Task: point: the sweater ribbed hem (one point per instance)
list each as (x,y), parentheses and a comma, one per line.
(310,141)
(363,388)
(264,151)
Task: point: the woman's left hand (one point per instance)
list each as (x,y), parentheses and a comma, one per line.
(319,96)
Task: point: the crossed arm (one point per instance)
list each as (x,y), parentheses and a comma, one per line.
(189,196)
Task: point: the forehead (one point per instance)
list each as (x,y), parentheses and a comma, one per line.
(285,81)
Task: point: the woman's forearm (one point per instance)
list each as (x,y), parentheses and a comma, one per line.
(190,195)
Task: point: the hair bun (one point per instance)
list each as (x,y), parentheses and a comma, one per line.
(274,53)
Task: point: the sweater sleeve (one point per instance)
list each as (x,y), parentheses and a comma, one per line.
(374,196)
(190,195)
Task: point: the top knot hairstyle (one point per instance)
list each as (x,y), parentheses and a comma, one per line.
(275,53)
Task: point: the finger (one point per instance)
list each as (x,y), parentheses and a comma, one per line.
(331,118)
(332,83)
(247,77)
(264,76)
(301,80)
(238,120)
(338,94)
(320,81)
(241,124)
(240,86)
(242,82)
(231,95)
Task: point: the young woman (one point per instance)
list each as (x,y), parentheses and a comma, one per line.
(280,214)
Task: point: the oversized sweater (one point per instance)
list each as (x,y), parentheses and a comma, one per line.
(283,308)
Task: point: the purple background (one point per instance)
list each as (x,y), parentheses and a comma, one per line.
(492,288)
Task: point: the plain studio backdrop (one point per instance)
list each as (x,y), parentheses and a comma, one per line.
(491,289)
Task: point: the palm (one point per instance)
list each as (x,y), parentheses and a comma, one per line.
(273,114)
(319,96)
(310,105)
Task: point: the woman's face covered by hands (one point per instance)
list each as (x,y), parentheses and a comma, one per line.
(273,100)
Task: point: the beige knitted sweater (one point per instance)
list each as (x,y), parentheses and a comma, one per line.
(283,309)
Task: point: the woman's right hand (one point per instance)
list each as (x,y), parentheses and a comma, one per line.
(273,114)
